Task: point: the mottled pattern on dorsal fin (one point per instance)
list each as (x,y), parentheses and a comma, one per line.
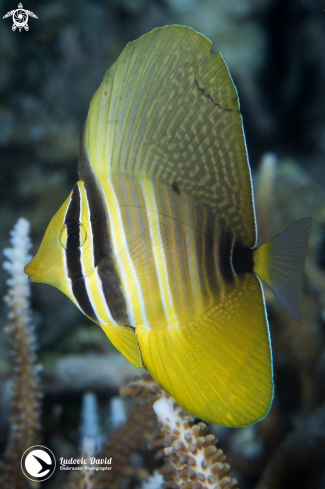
(168,110)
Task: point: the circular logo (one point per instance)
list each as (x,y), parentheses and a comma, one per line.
(20,17)
(38,463)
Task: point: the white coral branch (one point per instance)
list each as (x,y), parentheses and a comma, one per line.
(155,481)
(18,257)
(194,460)
(25,404)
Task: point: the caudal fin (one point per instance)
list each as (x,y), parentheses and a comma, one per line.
(280,264)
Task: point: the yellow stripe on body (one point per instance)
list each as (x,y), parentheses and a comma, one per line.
(177,251)
(67,282)
(140,246)
(126,268)
(191,236)
(217,238)
(92,280)
(159,256)
(204,258)
(186,246)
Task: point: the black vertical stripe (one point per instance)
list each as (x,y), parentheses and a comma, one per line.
(103,255)
(242,259)
(72,225)
(73,212)
(210,258)
(80,293)
(98,219)
(73,254)
(225,245)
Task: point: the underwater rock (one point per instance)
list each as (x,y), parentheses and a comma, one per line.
(95,372)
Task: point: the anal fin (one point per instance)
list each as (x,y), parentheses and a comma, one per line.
(218,366)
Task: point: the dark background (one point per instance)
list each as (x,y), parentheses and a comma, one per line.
(275,50)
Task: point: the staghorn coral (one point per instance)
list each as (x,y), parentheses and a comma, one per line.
(90,424)
(25,403)
(118,412)
(128,439)
(192,459)
(85,479)
(132,436)
(154,481)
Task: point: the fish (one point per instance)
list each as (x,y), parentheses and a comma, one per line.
(156,242)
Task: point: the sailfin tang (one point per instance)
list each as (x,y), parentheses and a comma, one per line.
(280,264)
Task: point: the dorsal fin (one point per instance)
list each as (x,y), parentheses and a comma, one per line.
(168,110)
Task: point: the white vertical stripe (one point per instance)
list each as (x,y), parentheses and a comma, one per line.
(102,296)
(65,264)
(82,263)
(191,236)
(119,243)
(94,270)
(159,255)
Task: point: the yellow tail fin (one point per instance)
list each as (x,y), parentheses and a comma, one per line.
(280,264)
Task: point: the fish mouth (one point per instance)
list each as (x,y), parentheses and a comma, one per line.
(27,271)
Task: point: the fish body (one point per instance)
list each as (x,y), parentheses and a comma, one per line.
(157,241)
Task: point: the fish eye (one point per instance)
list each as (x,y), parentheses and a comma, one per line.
(72,235)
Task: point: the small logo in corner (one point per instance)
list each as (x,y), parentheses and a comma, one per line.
(20,18)
(38,463)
